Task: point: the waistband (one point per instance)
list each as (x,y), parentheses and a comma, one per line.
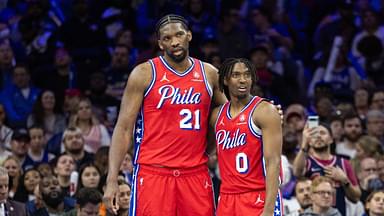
(176,172)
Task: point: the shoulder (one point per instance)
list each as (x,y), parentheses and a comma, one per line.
(141,75)
(211,72)
(265,112)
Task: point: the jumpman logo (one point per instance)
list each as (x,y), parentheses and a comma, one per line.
(259,200)
(207,185)
(164,78)
(222,121)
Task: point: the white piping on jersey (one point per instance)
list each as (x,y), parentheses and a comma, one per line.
(209,88)
(245,107)
(153,79)
(133,201)
(174,71)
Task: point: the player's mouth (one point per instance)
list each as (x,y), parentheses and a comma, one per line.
(242,89)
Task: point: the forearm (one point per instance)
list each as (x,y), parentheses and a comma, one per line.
(352,192)
(299,163)
(121,142)
(272,183)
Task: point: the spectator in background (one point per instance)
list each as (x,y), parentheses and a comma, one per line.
(125,37)
(368,176)
(117,73)
(88,201)
(366,146)
(361,97)
(5,134)
(63,167)
(353,130)
(89,177)
(71,101)
(302,200)
(380,167)
(233,39)
(19,147)
(124,198)
(9,207)
(322,193)
(73,144)
(377,100)
(6,64)
(374,203)
(101,159)
(371,26)
(63,76)
(324,108)
(315,158)
(55,202)
(375,124)
(94,133)
(13,166)
(37,152)
(45,113)
(28,181)
(127,168)
(336,124)
(19,99)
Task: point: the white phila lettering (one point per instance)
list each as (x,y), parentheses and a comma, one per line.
(229,141)
(168,92)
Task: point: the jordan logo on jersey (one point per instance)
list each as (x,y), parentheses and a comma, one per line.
(169,92)
(164,78)
(229,141)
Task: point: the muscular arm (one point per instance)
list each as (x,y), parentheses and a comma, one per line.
(130,106)
(211,131)
(268,119)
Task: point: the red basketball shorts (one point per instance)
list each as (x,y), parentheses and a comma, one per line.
(171,192)
(249,203)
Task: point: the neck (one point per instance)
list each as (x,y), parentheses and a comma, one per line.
(322,155)
(58,209)
(78,156)
(83,123)
(178,66)
(64,181)
(350,144)
(48,112)
(320,210)
(35,151)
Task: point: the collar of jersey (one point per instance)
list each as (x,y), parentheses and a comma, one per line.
(174,71)
(245,107)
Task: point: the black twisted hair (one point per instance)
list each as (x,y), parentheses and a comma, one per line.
(226,69)
(171,18)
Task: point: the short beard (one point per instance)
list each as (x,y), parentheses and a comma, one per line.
(352,138)
(75,151)
(177,59)
(320,149)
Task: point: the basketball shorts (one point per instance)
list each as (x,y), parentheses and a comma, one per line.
(249,203)
(171,192)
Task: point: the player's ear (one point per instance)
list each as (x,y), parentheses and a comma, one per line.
(189,35)
(225,81)
(160,45)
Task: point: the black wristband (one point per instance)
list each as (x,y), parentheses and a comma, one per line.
(346,184)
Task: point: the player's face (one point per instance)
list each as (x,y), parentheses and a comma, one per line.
(376,205)
(239,82)
(174,41)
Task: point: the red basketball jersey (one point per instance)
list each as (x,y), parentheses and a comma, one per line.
(172,127)
(240,150)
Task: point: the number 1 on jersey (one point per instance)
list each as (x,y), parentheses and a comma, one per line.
(242,163)
(188,117)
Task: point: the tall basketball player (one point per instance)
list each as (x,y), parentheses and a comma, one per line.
(165,111)
(248,141)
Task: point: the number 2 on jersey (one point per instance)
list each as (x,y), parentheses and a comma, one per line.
(242,163)
(188,118)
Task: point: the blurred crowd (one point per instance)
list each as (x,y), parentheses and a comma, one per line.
(64,66)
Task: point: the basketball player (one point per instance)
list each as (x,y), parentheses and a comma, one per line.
(165,110)
(248,140)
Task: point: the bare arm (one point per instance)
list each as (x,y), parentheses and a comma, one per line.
(211,131)
(122,134)
(268,119)
(300,161)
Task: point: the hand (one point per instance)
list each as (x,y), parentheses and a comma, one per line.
(279,110)
(335,173)
(111,196)
(308,134)
(366,180)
